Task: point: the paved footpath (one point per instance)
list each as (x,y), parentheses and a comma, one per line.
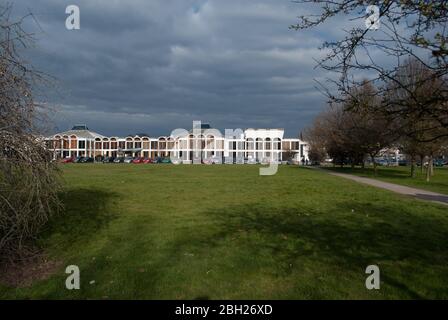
(418,193)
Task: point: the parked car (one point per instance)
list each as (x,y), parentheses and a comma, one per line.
(119,160)
(68,160)
(251,161)
(207,161)
(382,162)
(146,160)
(438,163)
(216,160)
(402,162)
(87,160)
(165,160)
(128,159)
(78,159)
(176,161)
(138,160)
(239,160)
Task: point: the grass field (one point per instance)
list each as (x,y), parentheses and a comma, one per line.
(401,175)
(224,232)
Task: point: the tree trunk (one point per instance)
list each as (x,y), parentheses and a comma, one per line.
(412,167)
(422,159)
(428,171)
(431,166)
(374,166)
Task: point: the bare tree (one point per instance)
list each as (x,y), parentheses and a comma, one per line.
(369,130)
(28,180)
(329,134)
(421,134)
(349,131)
(419,99)
(408,28)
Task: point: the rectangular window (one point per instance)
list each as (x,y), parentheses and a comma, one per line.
(81,144)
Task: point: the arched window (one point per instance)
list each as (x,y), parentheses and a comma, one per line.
(145,142)
(106,144)
(267,144)
(98,144)
(277,144)
(259,144)
(170,143)
(191,141)
(250,144)
(201,142)
(210,142)
(65,142)
(57,142)
(73,142)
(129,143)
(113,144)
(137,143)
(162,143)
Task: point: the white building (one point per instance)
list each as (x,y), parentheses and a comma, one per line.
(202,142)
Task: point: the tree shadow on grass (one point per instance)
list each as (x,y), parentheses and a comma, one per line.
(351,242)
(334,237)
(84,212)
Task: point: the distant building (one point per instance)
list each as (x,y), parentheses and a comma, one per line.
(200,142)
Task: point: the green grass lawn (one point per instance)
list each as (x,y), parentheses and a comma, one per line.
(224,232)
(401,175)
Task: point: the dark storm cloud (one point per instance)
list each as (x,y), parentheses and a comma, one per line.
(152,66)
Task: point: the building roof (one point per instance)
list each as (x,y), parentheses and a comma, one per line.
(80,127)
(81,131)
(202,128)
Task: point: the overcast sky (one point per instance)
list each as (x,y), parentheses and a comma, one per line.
(155,65)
